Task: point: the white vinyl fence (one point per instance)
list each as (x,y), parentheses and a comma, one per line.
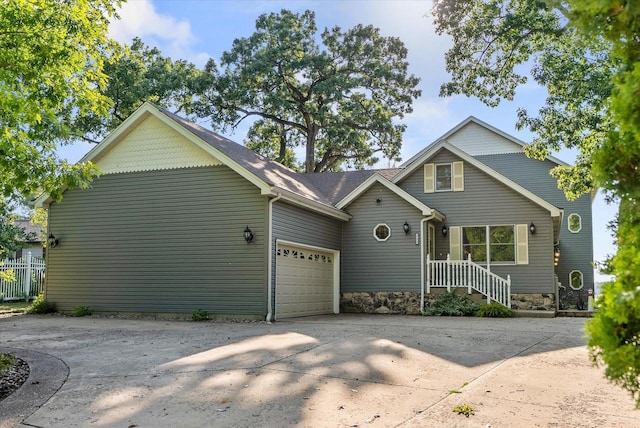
(28,281)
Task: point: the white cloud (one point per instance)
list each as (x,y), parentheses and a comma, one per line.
(173,37)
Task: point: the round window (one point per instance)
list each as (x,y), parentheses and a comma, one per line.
(381,232)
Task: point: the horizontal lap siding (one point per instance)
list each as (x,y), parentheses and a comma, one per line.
(576,249)
(369,265)
(160,241)
(291,223)
(486,201)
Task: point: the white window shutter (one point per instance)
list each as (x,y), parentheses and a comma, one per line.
(429,178)
(522,244)
(455,243)
(458,176)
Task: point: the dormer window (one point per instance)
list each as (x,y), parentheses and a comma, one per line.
(443,177)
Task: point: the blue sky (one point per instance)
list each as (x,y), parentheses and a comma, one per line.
(197,30)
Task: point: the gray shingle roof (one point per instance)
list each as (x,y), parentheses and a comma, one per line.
(326,188)
(269,171)
(337,185)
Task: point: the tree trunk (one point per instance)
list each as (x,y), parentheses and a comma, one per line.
(309,163)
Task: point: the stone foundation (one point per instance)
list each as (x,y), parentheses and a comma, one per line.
(393,302)
(407,302)
(533,302)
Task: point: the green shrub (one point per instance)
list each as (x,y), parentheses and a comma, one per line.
(6,362)
(450,304)
(41,306)
(200,315)
(81,311)
(494,310)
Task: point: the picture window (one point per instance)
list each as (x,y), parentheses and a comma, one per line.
(498,242)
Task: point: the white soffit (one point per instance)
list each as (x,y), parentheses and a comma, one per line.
(152,145)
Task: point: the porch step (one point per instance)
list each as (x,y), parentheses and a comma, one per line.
(524,313)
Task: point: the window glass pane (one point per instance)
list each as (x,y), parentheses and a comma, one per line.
(474,242)
(443,177)
(502,243)
(576,279)
(575,223)
(382,232)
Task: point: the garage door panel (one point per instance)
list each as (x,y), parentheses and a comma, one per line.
(304,282)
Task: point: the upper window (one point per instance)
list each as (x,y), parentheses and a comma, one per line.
(381,232)
(574,222)
(443,177)
(576,280)
(495,243)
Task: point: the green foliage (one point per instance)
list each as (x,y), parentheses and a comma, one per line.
(6,362)
(200,315)
(41,306)
(138,73)
(464,409)
(495,40)
(451,304)
(81,311)
(494,310)
(339,99)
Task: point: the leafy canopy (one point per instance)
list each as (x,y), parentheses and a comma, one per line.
(339,99)
(495,42)
(51,59)
(138,73)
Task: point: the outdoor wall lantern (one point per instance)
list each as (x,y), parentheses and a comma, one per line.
(445,230)
(532,228)
(378,200)
(556,256)
(52,241)
(248,235)
(406,228)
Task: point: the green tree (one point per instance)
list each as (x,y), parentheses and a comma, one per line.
(137,73)
(51,59)
(587,55)
(339,99)
(51,71)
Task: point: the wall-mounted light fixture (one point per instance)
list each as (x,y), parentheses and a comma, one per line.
(378,200)
(445,230)
(406,228)
(52,241)
(532,228)
(248,235)
(556,256)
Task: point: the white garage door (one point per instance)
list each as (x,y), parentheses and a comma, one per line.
(304,282)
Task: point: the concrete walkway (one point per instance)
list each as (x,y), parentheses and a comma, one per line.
(332,371)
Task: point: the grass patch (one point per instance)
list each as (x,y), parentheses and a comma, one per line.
(18,307)
(6,362)
(464,409)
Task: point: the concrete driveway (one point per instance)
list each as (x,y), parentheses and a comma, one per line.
(330,371)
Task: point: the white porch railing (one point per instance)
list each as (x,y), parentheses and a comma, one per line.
(28,280)
(465,273)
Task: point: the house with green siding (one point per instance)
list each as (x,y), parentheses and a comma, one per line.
(184,219)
